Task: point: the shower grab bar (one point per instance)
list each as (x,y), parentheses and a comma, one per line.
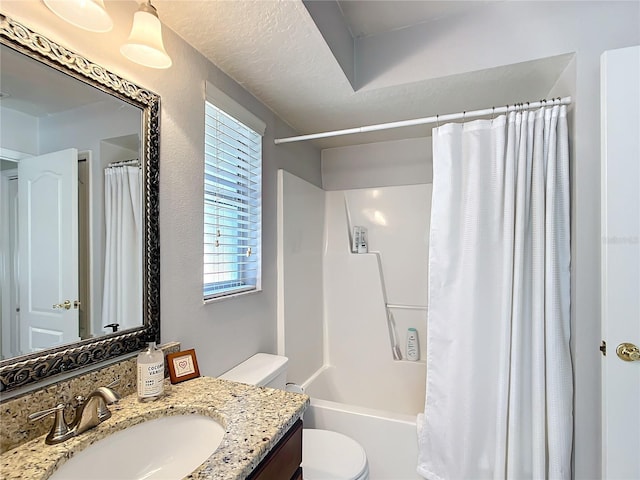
(407,307)
(391,322)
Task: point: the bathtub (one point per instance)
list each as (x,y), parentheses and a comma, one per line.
(389,438)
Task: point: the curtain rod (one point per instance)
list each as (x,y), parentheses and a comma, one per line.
(135,162)
(426,120)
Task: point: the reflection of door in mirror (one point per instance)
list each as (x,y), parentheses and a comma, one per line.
(48,250)
(39,254)
(47,292)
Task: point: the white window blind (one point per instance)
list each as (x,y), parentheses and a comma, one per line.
(232,204)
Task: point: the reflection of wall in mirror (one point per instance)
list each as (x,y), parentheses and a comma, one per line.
(19,132)
(108,131)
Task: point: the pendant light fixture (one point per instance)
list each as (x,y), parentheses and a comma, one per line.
(145,45)
(88,14)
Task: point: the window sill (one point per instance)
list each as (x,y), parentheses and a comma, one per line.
(231,295)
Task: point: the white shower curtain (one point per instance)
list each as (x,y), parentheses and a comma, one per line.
(122,299)
(499,373)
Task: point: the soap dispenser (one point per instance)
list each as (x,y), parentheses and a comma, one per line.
(150,373)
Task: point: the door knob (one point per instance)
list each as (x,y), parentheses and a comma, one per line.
(628,352)
(66,305)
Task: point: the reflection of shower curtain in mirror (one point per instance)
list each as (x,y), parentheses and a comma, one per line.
(122,299)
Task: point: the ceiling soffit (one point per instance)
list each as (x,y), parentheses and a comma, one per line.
(278,53)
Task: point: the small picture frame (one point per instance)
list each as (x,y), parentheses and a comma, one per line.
(182,366)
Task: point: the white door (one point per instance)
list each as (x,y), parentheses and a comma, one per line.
(621,262)
(48,245)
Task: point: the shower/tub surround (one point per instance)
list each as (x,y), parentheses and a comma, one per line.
(335,308)
(361,290)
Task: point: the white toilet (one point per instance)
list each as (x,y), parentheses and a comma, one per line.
(326,455)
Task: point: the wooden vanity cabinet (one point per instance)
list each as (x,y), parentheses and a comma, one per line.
(283,461)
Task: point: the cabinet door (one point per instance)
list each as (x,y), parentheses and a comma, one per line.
(284,459)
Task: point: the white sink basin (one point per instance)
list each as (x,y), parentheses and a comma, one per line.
(164,448)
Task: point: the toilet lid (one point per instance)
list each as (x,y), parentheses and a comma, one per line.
(328,455)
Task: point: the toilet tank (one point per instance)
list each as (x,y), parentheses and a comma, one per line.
(262,370)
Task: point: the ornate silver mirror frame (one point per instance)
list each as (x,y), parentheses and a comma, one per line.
(28,369)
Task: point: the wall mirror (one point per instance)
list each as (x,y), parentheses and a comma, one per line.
(79,246)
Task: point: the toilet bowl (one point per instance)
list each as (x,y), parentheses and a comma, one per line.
(326,455)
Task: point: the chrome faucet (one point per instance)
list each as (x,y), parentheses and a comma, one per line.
(89,412)
(92,411)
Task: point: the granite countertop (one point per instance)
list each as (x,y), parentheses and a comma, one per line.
(254,418)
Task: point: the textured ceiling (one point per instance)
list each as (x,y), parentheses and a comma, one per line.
(373,17)
(275,50)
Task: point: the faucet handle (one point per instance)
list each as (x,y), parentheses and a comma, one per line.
(59,430)
(114,383)
(46,413)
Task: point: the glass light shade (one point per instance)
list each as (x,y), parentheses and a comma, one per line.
(144,45)
(88,14)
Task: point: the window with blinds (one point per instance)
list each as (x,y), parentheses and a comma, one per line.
(232,204)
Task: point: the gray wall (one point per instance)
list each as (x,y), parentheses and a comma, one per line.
(226,332)
(398,162)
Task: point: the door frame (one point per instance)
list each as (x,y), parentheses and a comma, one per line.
(8,326)
(620,251)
